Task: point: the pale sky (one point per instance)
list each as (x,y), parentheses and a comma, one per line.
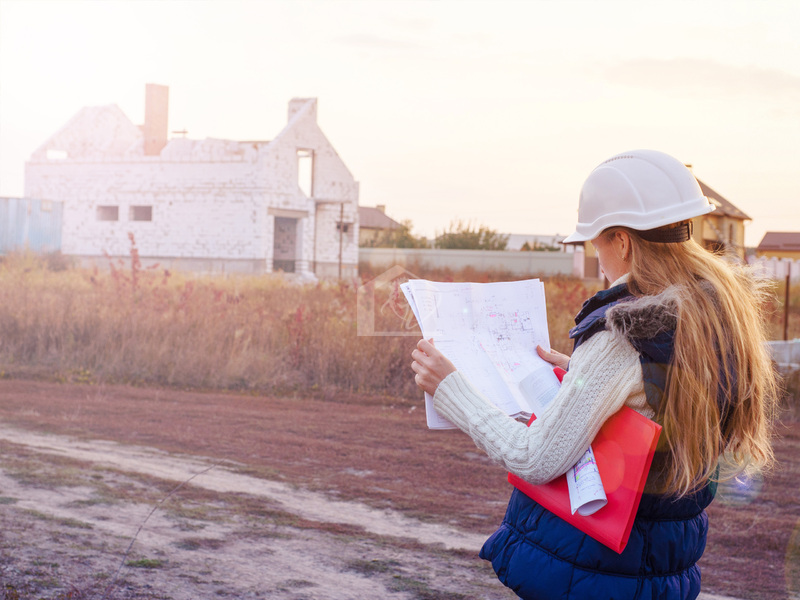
(493,112)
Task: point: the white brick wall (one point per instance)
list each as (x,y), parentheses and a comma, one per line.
(212,199)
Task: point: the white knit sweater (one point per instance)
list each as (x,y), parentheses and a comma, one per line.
(604,374)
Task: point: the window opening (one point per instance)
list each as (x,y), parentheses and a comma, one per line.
(108,213)
(141,213)
(305,171)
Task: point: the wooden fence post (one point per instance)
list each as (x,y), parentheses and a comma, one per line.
(786,306)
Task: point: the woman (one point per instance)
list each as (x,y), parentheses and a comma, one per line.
(677,337)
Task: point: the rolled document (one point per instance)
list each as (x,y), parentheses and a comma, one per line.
(586,494)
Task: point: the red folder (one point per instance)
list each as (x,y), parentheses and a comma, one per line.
(623,449)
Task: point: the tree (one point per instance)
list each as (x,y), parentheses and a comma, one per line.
(540,247)
(466,236)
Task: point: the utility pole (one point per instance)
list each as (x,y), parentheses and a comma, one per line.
(341,237)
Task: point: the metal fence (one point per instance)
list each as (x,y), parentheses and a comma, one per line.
(30,224)
(777,268)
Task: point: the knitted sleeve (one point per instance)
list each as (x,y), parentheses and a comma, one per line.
(604,374)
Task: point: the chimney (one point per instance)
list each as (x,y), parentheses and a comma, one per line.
(382,208)
(298,104)
(156,112)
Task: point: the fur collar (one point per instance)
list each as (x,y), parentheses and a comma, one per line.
(645,317)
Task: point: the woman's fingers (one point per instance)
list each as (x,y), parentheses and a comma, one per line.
(430,366)
(427,347)
(554,358)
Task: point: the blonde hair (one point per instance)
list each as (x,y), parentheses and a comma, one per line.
(719,351)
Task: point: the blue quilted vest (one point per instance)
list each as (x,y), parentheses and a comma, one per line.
(540,556)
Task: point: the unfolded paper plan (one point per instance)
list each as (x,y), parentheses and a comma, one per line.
(490,331)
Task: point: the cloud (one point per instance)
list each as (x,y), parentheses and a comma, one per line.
(703,76)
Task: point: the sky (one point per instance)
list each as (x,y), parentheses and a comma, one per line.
(489,112)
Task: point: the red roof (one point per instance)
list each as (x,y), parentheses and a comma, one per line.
(781,240)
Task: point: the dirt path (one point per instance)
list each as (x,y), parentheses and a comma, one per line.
(336,496)
(75,513)
(305,546)
(223,478)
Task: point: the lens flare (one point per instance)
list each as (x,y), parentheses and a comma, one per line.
(740,491)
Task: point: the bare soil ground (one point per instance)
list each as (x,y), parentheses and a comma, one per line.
(126,493)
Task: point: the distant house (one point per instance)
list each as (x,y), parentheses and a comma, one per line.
(722,229)
(372,222)
(779,244)
(289,204)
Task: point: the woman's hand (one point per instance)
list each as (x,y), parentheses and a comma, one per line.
(554,358)
(430,366)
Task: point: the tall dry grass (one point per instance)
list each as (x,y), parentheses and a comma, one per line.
(129,324)
(149,326)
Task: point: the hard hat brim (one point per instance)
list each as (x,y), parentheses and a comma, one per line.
(585,232)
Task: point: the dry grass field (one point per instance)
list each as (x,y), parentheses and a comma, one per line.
(314,473)
(150,326)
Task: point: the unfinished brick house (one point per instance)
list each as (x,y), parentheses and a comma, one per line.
(289,204)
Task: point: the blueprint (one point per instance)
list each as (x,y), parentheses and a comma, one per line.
(586,493)
(489,331)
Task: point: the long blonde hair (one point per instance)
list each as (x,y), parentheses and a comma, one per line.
(720,351)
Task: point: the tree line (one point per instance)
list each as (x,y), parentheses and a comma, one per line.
(459,235)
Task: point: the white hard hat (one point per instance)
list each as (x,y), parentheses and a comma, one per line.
(641,189)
